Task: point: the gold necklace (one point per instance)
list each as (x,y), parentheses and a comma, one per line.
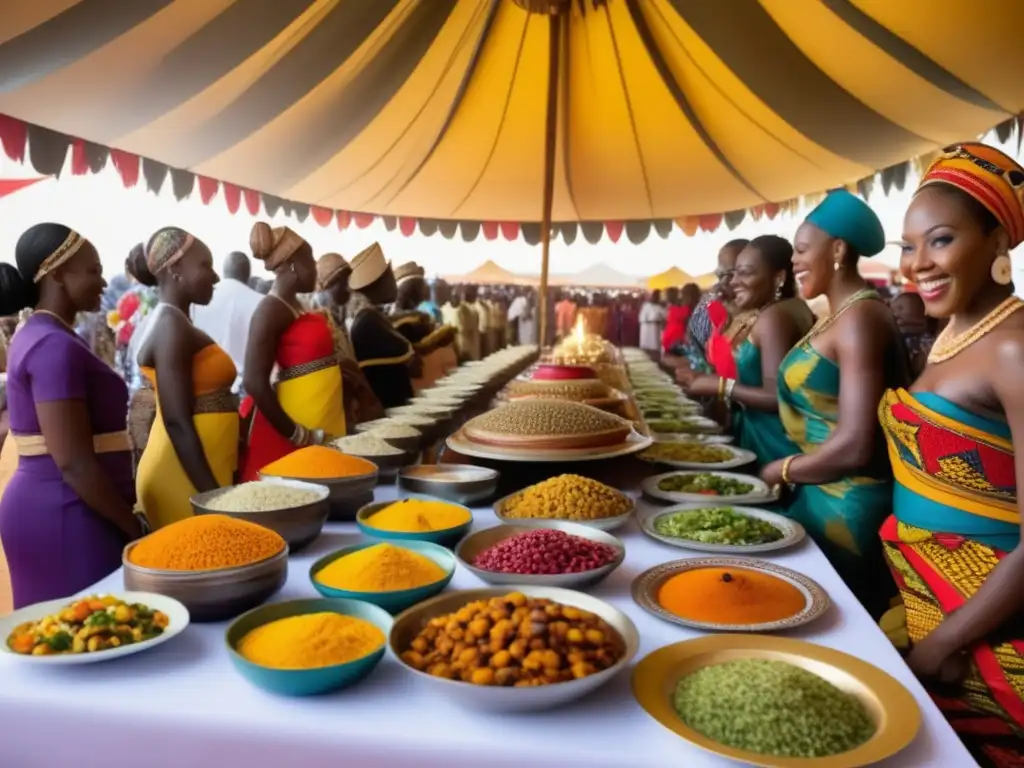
(948,345)
(822,325)
(56,317)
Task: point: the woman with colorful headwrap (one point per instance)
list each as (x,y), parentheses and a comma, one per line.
(304,404)
(193,444)
(331,300)
(829,386)
(66,514)
(953,541)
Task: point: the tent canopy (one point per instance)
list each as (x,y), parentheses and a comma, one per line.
(673,277)
(488,273)
(597,276)
(435,108)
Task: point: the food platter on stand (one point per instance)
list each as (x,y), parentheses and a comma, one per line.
(740,457)
(792,532)
(888,703)
(645,593)
(761,493)
(177,620)
(634,443)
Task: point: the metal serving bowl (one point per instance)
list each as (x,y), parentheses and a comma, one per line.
(475,543)
(461,483)
(211,595)
(446,537)
(498,699)
(299,526)
(345,494)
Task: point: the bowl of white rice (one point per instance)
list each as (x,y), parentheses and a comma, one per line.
(404,437)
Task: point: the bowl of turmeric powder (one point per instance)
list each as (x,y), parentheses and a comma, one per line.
(393,576)
(416,519)
(308,647)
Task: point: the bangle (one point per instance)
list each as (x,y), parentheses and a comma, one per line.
(787,462)
(730,384)
(721,387)
(299,435)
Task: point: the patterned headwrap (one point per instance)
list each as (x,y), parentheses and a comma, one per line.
(167,247)
(284,242)
(329,269)
(987,175)
(72,243)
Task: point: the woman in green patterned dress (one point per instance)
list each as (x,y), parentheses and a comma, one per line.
(830,385)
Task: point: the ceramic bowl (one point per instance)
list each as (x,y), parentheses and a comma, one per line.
(341,492)
(482,698)
(448,537)
(211,595)
(395,600)
(461,483)
(475,543)
(299,525)
(306,682)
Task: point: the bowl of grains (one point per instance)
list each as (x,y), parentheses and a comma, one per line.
(350,480)
(547,425)
(215,565)
(547,553)
(434,410)
(404,437)
(568,498)
(367,445)
(294,509)
(429,426)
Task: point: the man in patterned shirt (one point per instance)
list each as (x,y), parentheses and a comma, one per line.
(699,329)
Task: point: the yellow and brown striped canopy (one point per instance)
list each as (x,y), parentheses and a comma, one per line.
(435,108)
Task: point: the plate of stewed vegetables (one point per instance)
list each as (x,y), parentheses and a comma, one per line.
(90,629)
(709,488)
(721,529)
(692,455)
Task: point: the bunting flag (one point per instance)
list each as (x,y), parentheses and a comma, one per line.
(10,186)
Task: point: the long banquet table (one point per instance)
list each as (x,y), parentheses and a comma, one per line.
(182,704)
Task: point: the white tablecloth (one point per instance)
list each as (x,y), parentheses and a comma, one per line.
(182,704)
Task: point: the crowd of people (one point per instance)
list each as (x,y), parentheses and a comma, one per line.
(889,421)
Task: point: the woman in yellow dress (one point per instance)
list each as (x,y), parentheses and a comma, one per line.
(306,404)
(193,446)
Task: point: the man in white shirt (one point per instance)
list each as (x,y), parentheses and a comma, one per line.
(227,317)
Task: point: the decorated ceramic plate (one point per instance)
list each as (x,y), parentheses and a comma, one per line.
(177,615)
(688,455)
(703,482)
(887,702)
(633,443)
(792,532)
(646,585)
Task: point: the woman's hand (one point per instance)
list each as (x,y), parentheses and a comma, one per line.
(702,386)
(772,473)
(934,659)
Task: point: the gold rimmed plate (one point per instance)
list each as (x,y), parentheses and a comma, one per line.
(646,585)
(891,706)
(460,443)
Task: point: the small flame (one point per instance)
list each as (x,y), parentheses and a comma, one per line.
(579,332)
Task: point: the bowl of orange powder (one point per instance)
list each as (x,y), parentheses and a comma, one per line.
(216,566)
(729,594)
(349,480)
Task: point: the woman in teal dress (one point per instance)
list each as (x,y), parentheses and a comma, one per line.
(829,387)
(765,293)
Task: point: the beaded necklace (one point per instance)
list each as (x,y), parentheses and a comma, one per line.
(947,345)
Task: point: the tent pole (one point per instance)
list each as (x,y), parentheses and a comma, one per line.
(550,139)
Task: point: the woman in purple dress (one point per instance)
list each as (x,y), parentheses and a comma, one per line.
(68,510)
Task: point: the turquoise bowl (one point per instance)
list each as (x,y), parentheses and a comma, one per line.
(449,537)
(399,599)
(306,682)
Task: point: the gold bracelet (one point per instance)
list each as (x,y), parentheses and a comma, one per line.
(785,469)
(721,387)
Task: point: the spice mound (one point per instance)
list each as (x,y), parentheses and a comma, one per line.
(380,568)
(730,596)
(717,525)
(705,484)
(547,424)
(418,516)
(261,497)
(771,708)
(206,543)
(365,444)
(545,552)
(88,625)
(310,641)
(317,462)
(515,641)
(567,497)
(577,391)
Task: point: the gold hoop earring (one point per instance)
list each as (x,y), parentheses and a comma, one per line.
(1002,270)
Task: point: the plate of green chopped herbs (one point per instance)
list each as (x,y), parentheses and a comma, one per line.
(721,529)
(776,702)
(709,488)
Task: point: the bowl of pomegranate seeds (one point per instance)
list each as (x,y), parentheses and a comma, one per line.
(548,553)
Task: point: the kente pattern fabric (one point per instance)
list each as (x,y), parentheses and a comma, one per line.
(954,519)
